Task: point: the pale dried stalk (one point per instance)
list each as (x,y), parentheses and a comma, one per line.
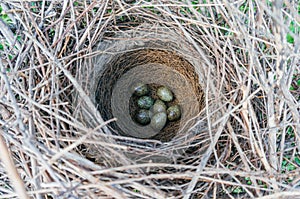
(11,169)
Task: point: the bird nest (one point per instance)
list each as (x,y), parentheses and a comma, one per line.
(156,59)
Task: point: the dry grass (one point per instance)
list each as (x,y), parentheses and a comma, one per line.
(252,115)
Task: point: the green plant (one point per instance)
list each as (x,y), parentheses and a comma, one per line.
(5,17)
(290,163)
(248,181)
(238,190)
(297,160)
(294,28)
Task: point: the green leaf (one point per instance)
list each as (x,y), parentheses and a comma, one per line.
(290,131)
(244,8)
(297,160)
(6,19)
(290,167)
(269,3)
(248,181)
(292,88)
(284,162)
(238,190)
(289,38)
(294,28)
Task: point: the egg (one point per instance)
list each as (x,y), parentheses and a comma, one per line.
(173,113)
(143,117)
(140,89)
(145,102)
(159,106)
(158,121)
(164,94)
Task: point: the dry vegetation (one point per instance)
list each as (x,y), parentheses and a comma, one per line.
(250,54)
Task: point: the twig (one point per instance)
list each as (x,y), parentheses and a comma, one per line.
(11,169)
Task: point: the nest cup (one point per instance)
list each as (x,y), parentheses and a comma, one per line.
(152,67)
(159,57)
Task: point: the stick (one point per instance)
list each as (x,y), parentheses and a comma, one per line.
(10,167)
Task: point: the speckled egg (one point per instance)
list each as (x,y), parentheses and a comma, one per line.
(140,89)
(164,94)
(173,113)
(159,106)
(158,121)
(145,102)
(143,117)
